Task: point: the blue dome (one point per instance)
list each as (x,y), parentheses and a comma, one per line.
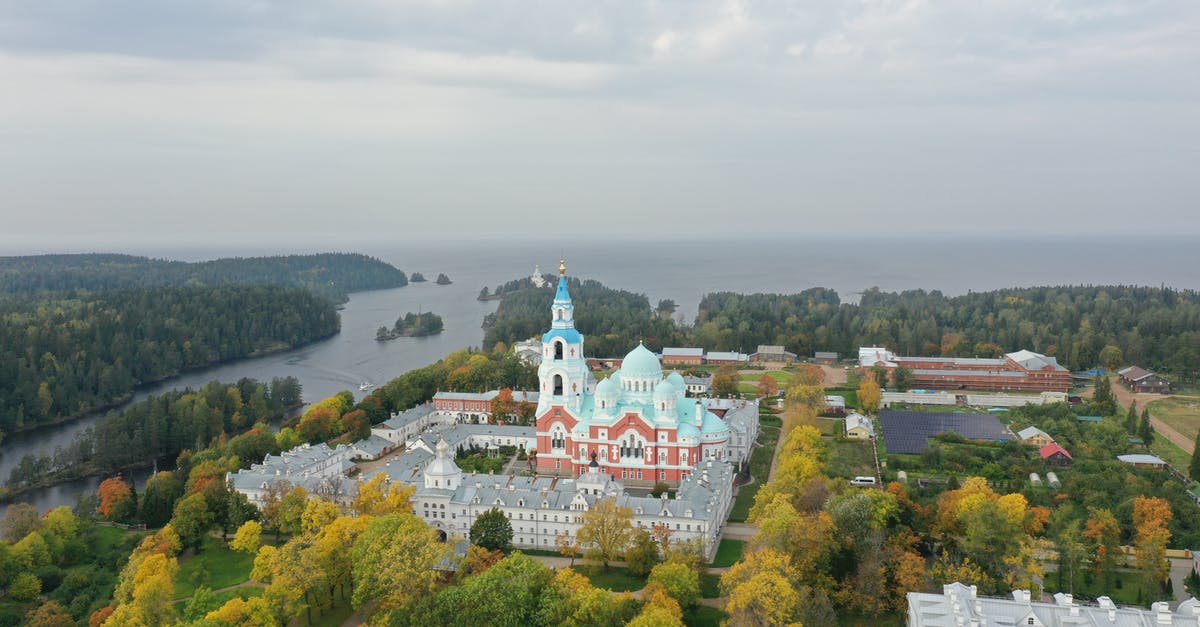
(641,363)
(607,388)
(664,391)
(676,380)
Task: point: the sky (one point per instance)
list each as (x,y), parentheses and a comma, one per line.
(311,120)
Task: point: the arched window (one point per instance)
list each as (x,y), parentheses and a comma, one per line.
(558,350)
(558,385)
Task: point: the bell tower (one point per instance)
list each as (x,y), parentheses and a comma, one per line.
(563,374)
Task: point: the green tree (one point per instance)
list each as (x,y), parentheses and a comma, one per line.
(192,520)
(1111,357)
(492,531)
(880,374)
(903,378)
(1131,419)
(642,554)
(393,560)
(25,587)
(681,582)
(1145,431)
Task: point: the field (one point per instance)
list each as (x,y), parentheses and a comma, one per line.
(1181,413)
(615,578)
(760,468)
(217,566)
(851,397)
(851,458)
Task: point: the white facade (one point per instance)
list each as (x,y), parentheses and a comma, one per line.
(960,605)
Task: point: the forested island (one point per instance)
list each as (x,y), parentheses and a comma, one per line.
(411,325)
(1155,327)
(332,275)
(416,277)
(442,279)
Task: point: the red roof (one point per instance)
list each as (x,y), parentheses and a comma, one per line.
(1052,448)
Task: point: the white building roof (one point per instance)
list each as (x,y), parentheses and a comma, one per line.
(856,420)
(727,356)
(682,352)
(870,355)
(960,605)
(1032,432)
(1141,458)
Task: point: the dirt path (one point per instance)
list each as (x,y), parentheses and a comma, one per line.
(249,583)
(1124,397)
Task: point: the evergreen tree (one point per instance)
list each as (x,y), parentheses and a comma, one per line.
(1131,419)
(1145,431)
(1194,467)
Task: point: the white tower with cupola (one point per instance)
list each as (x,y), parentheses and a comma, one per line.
(563,375)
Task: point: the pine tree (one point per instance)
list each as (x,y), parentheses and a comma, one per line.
(1145,431)
(1131,419)
(1194,467)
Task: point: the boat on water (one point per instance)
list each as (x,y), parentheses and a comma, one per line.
(365,385)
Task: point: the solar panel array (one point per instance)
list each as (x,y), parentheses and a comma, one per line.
(909,431)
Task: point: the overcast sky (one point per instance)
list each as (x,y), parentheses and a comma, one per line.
(124,120)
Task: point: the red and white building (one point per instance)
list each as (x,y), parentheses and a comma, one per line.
(637,425)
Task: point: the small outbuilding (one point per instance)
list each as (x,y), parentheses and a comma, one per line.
(767,353)
(825,358)
(1035,436)
(1141,460)
(859,427)
(1055,455)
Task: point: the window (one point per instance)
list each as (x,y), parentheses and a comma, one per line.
(558,385)
(558,346)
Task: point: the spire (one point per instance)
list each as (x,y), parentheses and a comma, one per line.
(562,266)
(442,448)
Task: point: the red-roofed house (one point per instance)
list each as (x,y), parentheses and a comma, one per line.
(1055,455)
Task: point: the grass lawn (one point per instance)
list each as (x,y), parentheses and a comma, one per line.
(1181,413)
(760,467)
(770,421)
(703,616)
(851,397)
(728,552)
(616,578)
(831,427)
(217,566)
(1123,590)
(780,376)
(750,389)
(710,586)
(1171,453)
(851,458)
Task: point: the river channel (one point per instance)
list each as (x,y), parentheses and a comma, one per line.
(341,362)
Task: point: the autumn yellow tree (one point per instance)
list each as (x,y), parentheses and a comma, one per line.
(151,600)
(1102,537)
(759,590)
(248,538)
(567,546)
(605,531)
(869,395)
(1150,537)
(116,499)
(252,612)
(381,497)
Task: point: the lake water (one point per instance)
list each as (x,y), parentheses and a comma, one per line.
(681,270)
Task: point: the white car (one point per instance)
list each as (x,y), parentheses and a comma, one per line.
(862,481)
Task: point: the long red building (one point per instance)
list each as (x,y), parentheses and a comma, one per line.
(1024,371)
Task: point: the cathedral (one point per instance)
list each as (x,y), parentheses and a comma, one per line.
(637,425)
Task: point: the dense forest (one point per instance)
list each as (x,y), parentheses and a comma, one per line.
(1157,328)
(614,321)
(332,275)
(64,356)
(161,427)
